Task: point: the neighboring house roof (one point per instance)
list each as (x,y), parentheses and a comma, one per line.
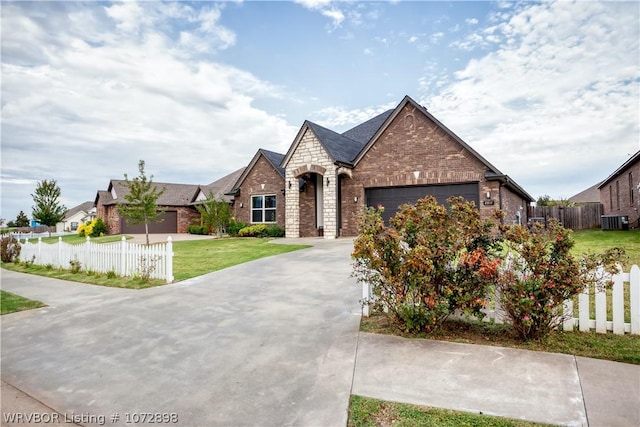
(626,165)
(274,159)
(222,186)
(590,195)
(83,207)
(173,195)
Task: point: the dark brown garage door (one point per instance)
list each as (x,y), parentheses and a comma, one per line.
(392,197)
(169,224)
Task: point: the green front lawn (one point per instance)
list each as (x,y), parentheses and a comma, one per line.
(367,412)
(10,303)
(197,257)
(191,258)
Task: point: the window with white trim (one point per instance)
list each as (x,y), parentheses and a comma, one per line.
(263,208)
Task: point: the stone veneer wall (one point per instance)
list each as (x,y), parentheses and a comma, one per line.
(262,179)
(412,151)
(310,157)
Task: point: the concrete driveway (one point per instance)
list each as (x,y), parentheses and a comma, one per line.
(271,342)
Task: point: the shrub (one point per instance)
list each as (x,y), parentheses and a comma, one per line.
(257,230)
(234,227)
(111,274)
(99,228)
(9,248)
(197,229)
(430,262)
(95,228)
(274,230)
(539,274)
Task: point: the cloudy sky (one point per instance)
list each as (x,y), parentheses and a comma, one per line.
(546,91)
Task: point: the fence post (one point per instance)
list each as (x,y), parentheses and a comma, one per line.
(617,304)
(634,295)
(366,298)
(87,253)
(583,311)
(123,247)
(601,311)
(567,319)
(169,258)
(59,260)
(39,248)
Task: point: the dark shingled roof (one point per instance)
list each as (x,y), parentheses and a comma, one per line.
(365,131)
(275,159)
(82,207)
(174,194)
(106,198)
(590,195)
(340,147)
(222,186)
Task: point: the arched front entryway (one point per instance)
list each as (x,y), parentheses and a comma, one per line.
(311,200)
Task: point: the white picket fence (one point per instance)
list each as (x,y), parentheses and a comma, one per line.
(602,323)
(123,258)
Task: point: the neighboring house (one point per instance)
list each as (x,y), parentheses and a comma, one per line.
(75,216)
(590,195)
(219,189)
(396,157)
(177,202)
(619,192)
(259,191)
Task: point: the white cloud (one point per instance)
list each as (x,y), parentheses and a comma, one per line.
(471,21)
(337,118)
(327,8)
(560,98)
(83,109)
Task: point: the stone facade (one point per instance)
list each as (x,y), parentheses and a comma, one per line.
(262,179)
(309,159)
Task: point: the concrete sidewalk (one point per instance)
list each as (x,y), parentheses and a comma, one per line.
(535,386)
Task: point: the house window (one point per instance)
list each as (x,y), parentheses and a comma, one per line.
(610,198)
(631,195)
(618,195)
(263,208)
(74,226)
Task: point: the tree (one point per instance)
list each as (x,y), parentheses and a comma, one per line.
(48,210)
(21,220)
(215,214)
(140,205)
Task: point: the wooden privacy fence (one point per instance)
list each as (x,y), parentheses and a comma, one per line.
(611,307)
(575,217)
(123,258)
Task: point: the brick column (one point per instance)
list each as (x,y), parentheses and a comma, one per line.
(292,210)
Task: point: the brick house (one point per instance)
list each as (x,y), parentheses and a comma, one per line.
(177,202)
(619,192)
(396,157)
(258,193)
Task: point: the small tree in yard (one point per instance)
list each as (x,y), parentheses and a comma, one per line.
(140,205)
(430,262)
(21,220)
(215,214)
(540,273)
(47,210)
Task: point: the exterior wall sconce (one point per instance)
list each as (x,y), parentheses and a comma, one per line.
(488,195)
(355,199)
(289,184)
(241,205)
(327,180)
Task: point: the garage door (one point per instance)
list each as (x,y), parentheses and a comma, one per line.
(169,224)
(392,197)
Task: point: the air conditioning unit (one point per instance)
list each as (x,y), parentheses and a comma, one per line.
(614,222)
